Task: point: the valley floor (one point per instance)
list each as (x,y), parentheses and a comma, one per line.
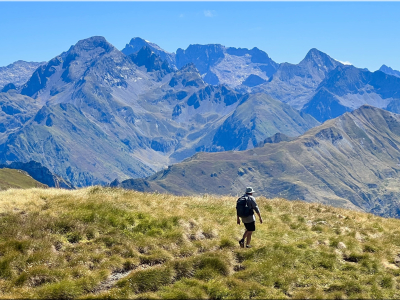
(115,243)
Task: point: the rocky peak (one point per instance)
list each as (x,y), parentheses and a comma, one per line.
(152,62)
(137,43)
(389,71)
(203,56)
(320,60)
(92,43)
(190,67)
(88,49)
(8,87)
(187,76)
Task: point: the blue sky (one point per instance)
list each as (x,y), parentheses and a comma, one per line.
(362,33)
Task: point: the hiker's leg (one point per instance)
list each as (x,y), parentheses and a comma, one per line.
(245,235)
(249,233)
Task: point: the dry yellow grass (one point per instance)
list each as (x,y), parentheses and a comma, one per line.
(103,242)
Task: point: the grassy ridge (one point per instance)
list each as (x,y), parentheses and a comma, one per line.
(113,243)
(10,178)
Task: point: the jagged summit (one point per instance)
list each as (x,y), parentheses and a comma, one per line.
(138,43)
(190,67)
(320,59)
(188,75)
(91,44)
(69,67)
(389,71)
(203,56)
(146,57)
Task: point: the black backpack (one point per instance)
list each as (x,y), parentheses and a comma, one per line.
(242,207)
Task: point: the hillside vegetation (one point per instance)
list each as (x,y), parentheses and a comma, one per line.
(17,179)
(350,162)
(114,243)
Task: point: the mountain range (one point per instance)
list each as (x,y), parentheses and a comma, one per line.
(94,114)
(351,161)
(318,85)
(98,114)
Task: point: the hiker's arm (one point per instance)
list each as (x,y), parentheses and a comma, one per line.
(259,216)
(256,209)
(238,220)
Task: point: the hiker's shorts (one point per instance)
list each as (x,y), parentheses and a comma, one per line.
(250,226)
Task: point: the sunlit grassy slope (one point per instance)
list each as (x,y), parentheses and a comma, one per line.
(10,178)
(113,243)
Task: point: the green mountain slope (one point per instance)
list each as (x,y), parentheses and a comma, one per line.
(258,117)
(74,147)
(102,243)
(351,161)
(17,179)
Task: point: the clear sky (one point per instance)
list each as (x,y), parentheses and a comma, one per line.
(365,34)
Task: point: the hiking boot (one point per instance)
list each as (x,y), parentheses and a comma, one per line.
(248,246)
(241,243)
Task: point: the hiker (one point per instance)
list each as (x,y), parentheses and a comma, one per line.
(244,210)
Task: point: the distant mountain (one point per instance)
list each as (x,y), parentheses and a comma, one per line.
(138,43)
(347,88)
(18,72)
(257,117)
(296,84)
(82,123)
(227,65)
(351,161)
(97,114)
(389,71)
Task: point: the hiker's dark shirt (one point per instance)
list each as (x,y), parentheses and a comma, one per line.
(253,204)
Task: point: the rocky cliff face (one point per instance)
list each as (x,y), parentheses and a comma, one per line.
(15,111)
(229,66)
(347,88)
(151,61)
(296,84)
(18,72)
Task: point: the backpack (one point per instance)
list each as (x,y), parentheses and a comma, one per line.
(242,207)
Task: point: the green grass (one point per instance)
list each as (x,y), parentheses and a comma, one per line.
(10,178)
(113,243)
